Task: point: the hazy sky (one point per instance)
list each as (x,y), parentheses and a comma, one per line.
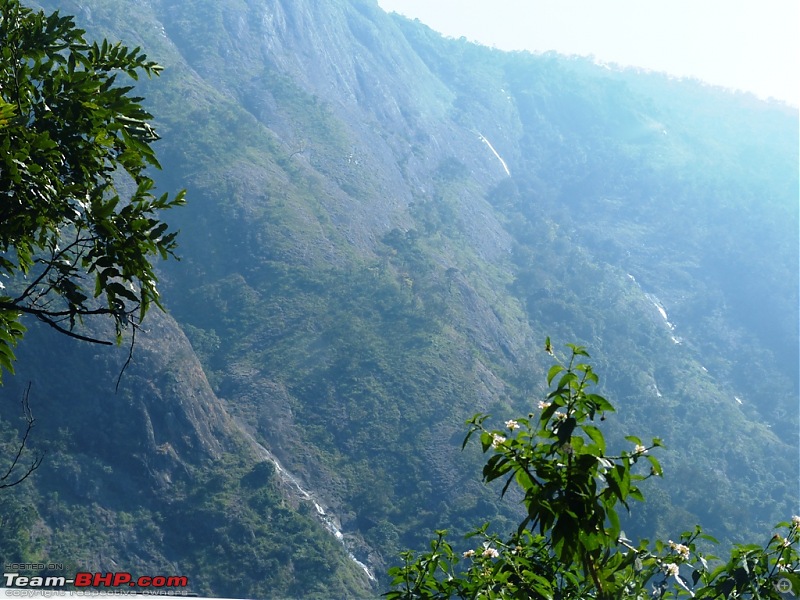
(752,45)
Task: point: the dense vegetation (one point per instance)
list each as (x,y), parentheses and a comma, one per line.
(359,275)
(570,543)
(164,483)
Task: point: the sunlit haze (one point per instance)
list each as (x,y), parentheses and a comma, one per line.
(750,45)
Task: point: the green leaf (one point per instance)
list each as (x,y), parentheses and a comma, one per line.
(578,350)
(497,466)
(600,403)
(565,429)
(613,519)
(6,358)
(705,536)
(656,466)
(548,412)
(596,436)
(636,494)
(562,391)
(117,289)
(618,479)
(554,370)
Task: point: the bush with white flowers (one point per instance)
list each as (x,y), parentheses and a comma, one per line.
(569,545)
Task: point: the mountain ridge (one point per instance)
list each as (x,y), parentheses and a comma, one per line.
(360,274)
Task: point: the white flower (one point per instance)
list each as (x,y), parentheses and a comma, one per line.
(543,405)
(680,549)
(796,521)
(672,569)
(497,440)
(512,424)
(560,416)
(491,553)
(639,449)
(469,554)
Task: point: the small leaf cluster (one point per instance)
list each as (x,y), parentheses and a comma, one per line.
(570,545)
(71,138)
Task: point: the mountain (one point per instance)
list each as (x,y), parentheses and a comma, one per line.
(383,225)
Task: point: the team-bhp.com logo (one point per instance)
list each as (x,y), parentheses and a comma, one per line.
(95,580)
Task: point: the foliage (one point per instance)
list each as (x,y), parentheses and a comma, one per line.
(230,511)
(570,545)
(78,217)
(356,330)
(239,512)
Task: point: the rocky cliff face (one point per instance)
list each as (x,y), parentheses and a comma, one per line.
(340,90)
(162,418)
(382,227)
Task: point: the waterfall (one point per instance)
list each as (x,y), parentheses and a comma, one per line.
(329,521)
(502,162)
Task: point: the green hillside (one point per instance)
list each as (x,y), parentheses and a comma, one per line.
(382,226)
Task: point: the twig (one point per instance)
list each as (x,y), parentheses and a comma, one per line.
(26,410)
(130,356)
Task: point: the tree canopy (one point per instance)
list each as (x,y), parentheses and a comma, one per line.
(79,217)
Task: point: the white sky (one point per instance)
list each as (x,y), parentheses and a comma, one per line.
(752,45)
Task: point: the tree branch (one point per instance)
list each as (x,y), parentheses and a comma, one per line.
(45,319)
(26,410)
(130,356)
(54,256)
(41,312)
(47,316)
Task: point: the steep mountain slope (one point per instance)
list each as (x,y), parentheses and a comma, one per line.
(383,226)
(155,477)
